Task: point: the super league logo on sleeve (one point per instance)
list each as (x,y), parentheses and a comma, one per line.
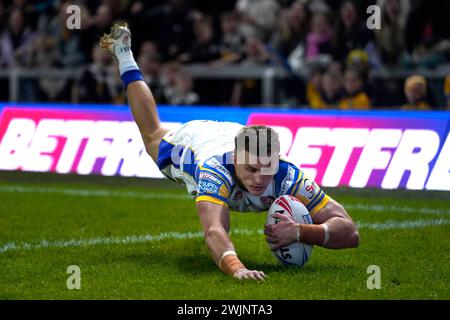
(310,189)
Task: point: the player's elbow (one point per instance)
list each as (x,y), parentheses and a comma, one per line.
(353,238)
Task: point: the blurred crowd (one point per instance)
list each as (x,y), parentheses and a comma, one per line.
(324,46)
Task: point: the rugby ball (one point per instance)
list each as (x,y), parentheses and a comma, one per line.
(297,253)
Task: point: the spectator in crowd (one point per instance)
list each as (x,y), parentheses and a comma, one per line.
(248,91)
(149,61)
(68,42)
(183,93)
(427,54)
(232,41)
(427,34)
(319,39)
(314,88)
(118,8)
(16,41)
(204,48)
(46,56)
(390,37)
(278,32)
(355,96)
(415,93)
(358,59)
(428,22)
(97,25)
(174,33)
(17,45)
(257,18)
(352,31)
(293,25)
(97,81)
(168,77)
(255,52)
(29,10)
(2,17)
(447,91)
(332,90)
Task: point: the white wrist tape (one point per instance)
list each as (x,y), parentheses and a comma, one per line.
(327,234)
(298,232)
(226,253)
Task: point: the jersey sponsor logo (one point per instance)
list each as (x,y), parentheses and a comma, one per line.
(223,191)
(213,163)
(307,219)
(208,187)
(210,177)
(287,181)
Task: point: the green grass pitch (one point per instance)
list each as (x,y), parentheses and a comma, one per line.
(141,239)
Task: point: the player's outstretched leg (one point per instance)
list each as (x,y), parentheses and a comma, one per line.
(140,98)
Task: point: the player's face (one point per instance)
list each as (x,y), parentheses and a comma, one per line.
(254,176)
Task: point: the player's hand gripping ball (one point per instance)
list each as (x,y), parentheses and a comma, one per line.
(296,253)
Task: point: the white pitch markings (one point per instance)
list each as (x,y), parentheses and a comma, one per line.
(95,193)
(11,246)
(169,196)
(410,224)
(402,209)
(23,246)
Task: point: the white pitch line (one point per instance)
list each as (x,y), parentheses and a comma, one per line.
(94,193)
(409,224)
(27,246)
(393,208)
(169,196)
(11,246)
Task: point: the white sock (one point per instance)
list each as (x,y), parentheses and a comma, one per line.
(126,59)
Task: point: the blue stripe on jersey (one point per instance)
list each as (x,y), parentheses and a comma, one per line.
(280,175)
(297,184)
(228,163)
(313,199)
(311,205)
(288,191)
(190,163)
(165,154)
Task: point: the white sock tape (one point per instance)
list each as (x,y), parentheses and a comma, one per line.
(226,253)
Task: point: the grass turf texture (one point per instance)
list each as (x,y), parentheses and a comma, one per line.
(414,262)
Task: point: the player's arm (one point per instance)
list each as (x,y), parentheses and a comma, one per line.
(215,220)
(341,230)
(333,228)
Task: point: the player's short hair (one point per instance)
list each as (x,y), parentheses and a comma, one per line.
(258,140)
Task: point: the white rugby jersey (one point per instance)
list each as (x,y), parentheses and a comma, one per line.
(200,155)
